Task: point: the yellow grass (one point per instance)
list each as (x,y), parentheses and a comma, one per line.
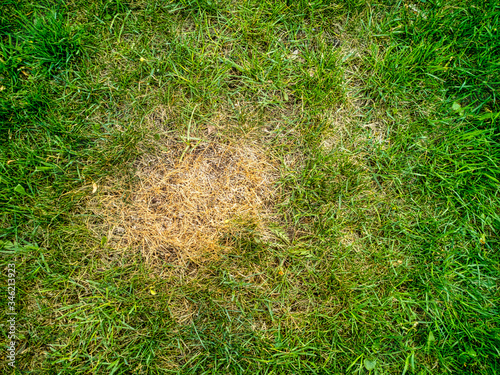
(182,204)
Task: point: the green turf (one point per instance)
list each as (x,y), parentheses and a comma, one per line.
(385,118)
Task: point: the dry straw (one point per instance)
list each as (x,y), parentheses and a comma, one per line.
(181,206)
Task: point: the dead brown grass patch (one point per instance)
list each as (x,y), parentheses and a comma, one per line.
(184,202)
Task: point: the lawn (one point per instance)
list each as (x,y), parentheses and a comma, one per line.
(250,187)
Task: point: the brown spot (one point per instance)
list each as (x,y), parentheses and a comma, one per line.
(178,210)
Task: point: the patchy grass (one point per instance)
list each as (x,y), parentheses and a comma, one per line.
(382,122)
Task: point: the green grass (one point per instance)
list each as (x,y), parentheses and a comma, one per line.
(385,259)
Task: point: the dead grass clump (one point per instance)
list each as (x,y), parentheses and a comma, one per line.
(182,203)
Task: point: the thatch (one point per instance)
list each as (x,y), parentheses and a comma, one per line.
(182,204)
